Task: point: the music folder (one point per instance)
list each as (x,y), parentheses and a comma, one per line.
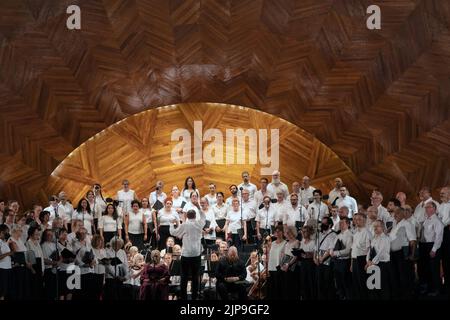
(158,205)
(183,204)
(221,223)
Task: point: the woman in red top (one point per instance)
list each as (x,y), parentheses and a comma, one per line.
(155,279)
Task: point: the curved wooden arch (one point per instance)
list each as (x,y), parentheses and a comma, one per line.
(139,149)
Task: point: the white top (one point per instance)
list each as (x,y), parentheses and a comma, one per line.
(335,223)
(250,187)
(47,249)
(37,250)
(291,245)
(165,218)
(5,263)
(190,206)
(299,213)
(417,226)
(20,245)
(276,251)
(135,222)
(191,234)
(281,208)
(125,198)
(65,211)
(119,270)
(273,189)
(220,212)
(108,224)
(333,195)
(350,203)
(187,194)
(147,212)
(381,244)
(361,242)
(234,218)
(210,217)
(383,214)
(433,231)
(314,209)
(99,254)
(259,197)
(419,212)
(401,234)
(176,203)
(153,197)
(53,213)
(249,277)
(347,240)
(330,239)
(87,219)
(229,200)
(212,200)
(266,217)
(308,247)
(306,195)
(444,213)
(100,207)
(24,236)
(249,209)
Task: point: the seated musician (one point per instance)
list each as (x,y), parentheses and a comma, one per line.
(230,274)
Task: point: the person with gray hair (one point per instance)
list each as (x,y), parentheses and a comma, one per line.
(116,269)
(230,274)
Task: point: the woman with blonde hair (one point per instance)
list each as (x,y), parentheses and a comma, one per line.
(288,266)
(307,266)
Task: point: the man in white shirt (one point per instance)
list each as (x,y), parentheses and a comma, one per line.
(53,209)
(65,209)
(190,233)
(430,251)
(212,196)
(125,196)
(403,244)
(317,209)
(277,186)
(335,193)
(246,184)
(281,207)
(360,248)
(249,211)
(265,219)
(261,193)
(327,239)
(158,194)
(234,195)
(306,191)
(444,215)
(296,214)
(347,201)
(296,189)
(425,198)
(392,205)
(376,199)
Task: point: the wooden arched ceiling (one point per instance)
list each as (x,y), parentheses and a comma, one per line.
(379,99)
(139,149)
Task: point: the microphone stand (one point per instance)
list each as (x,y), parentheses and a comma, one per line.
(242,222)
(57,257)
(318,251)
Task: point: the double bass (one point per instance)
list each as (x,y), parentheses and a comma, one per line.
(258,290)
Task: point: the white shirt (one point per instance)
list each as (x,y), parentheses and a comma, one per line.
(65,211)
(250,187)
(382,246)
(401,234)
(191,234)
(350,203)
(281,208)
(299,213)
(176,203)
(309,246)
(119,270)
(53,213)
(259,196)
(86,218)
(126,197)
(333,195)
(265,217)
(361,242)
(229,200)
(317,208)
(147,212)
(153,197)
(209,215)
(165,218)
(108,224)
(306,195)
(37,250)
(383,214)
(47,249)
(419,212)
(335,223)
(347,240)
(444,213)
(273,189)
(220,212)
(100,207)
(99,254)
(234,218)
(5,263)
(249,209)
(135,222)
(190,206)
(433,231)
(212,200)
(187,194)
(276,251)
(249,277)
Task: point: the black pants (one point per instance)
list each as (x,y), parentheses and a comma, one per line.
(50,284)
(429,274)
(359,278)
(37,281)
(224,288)
(275,288)
(343,278)
(446,258)
(108,235)
(190,266)
(401,282)
(308,279)
(164,233)
(113,289)
(236,241)
(326,282)
(251,230)
(137,240)
(291,284)
(221,235)
(384,291)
